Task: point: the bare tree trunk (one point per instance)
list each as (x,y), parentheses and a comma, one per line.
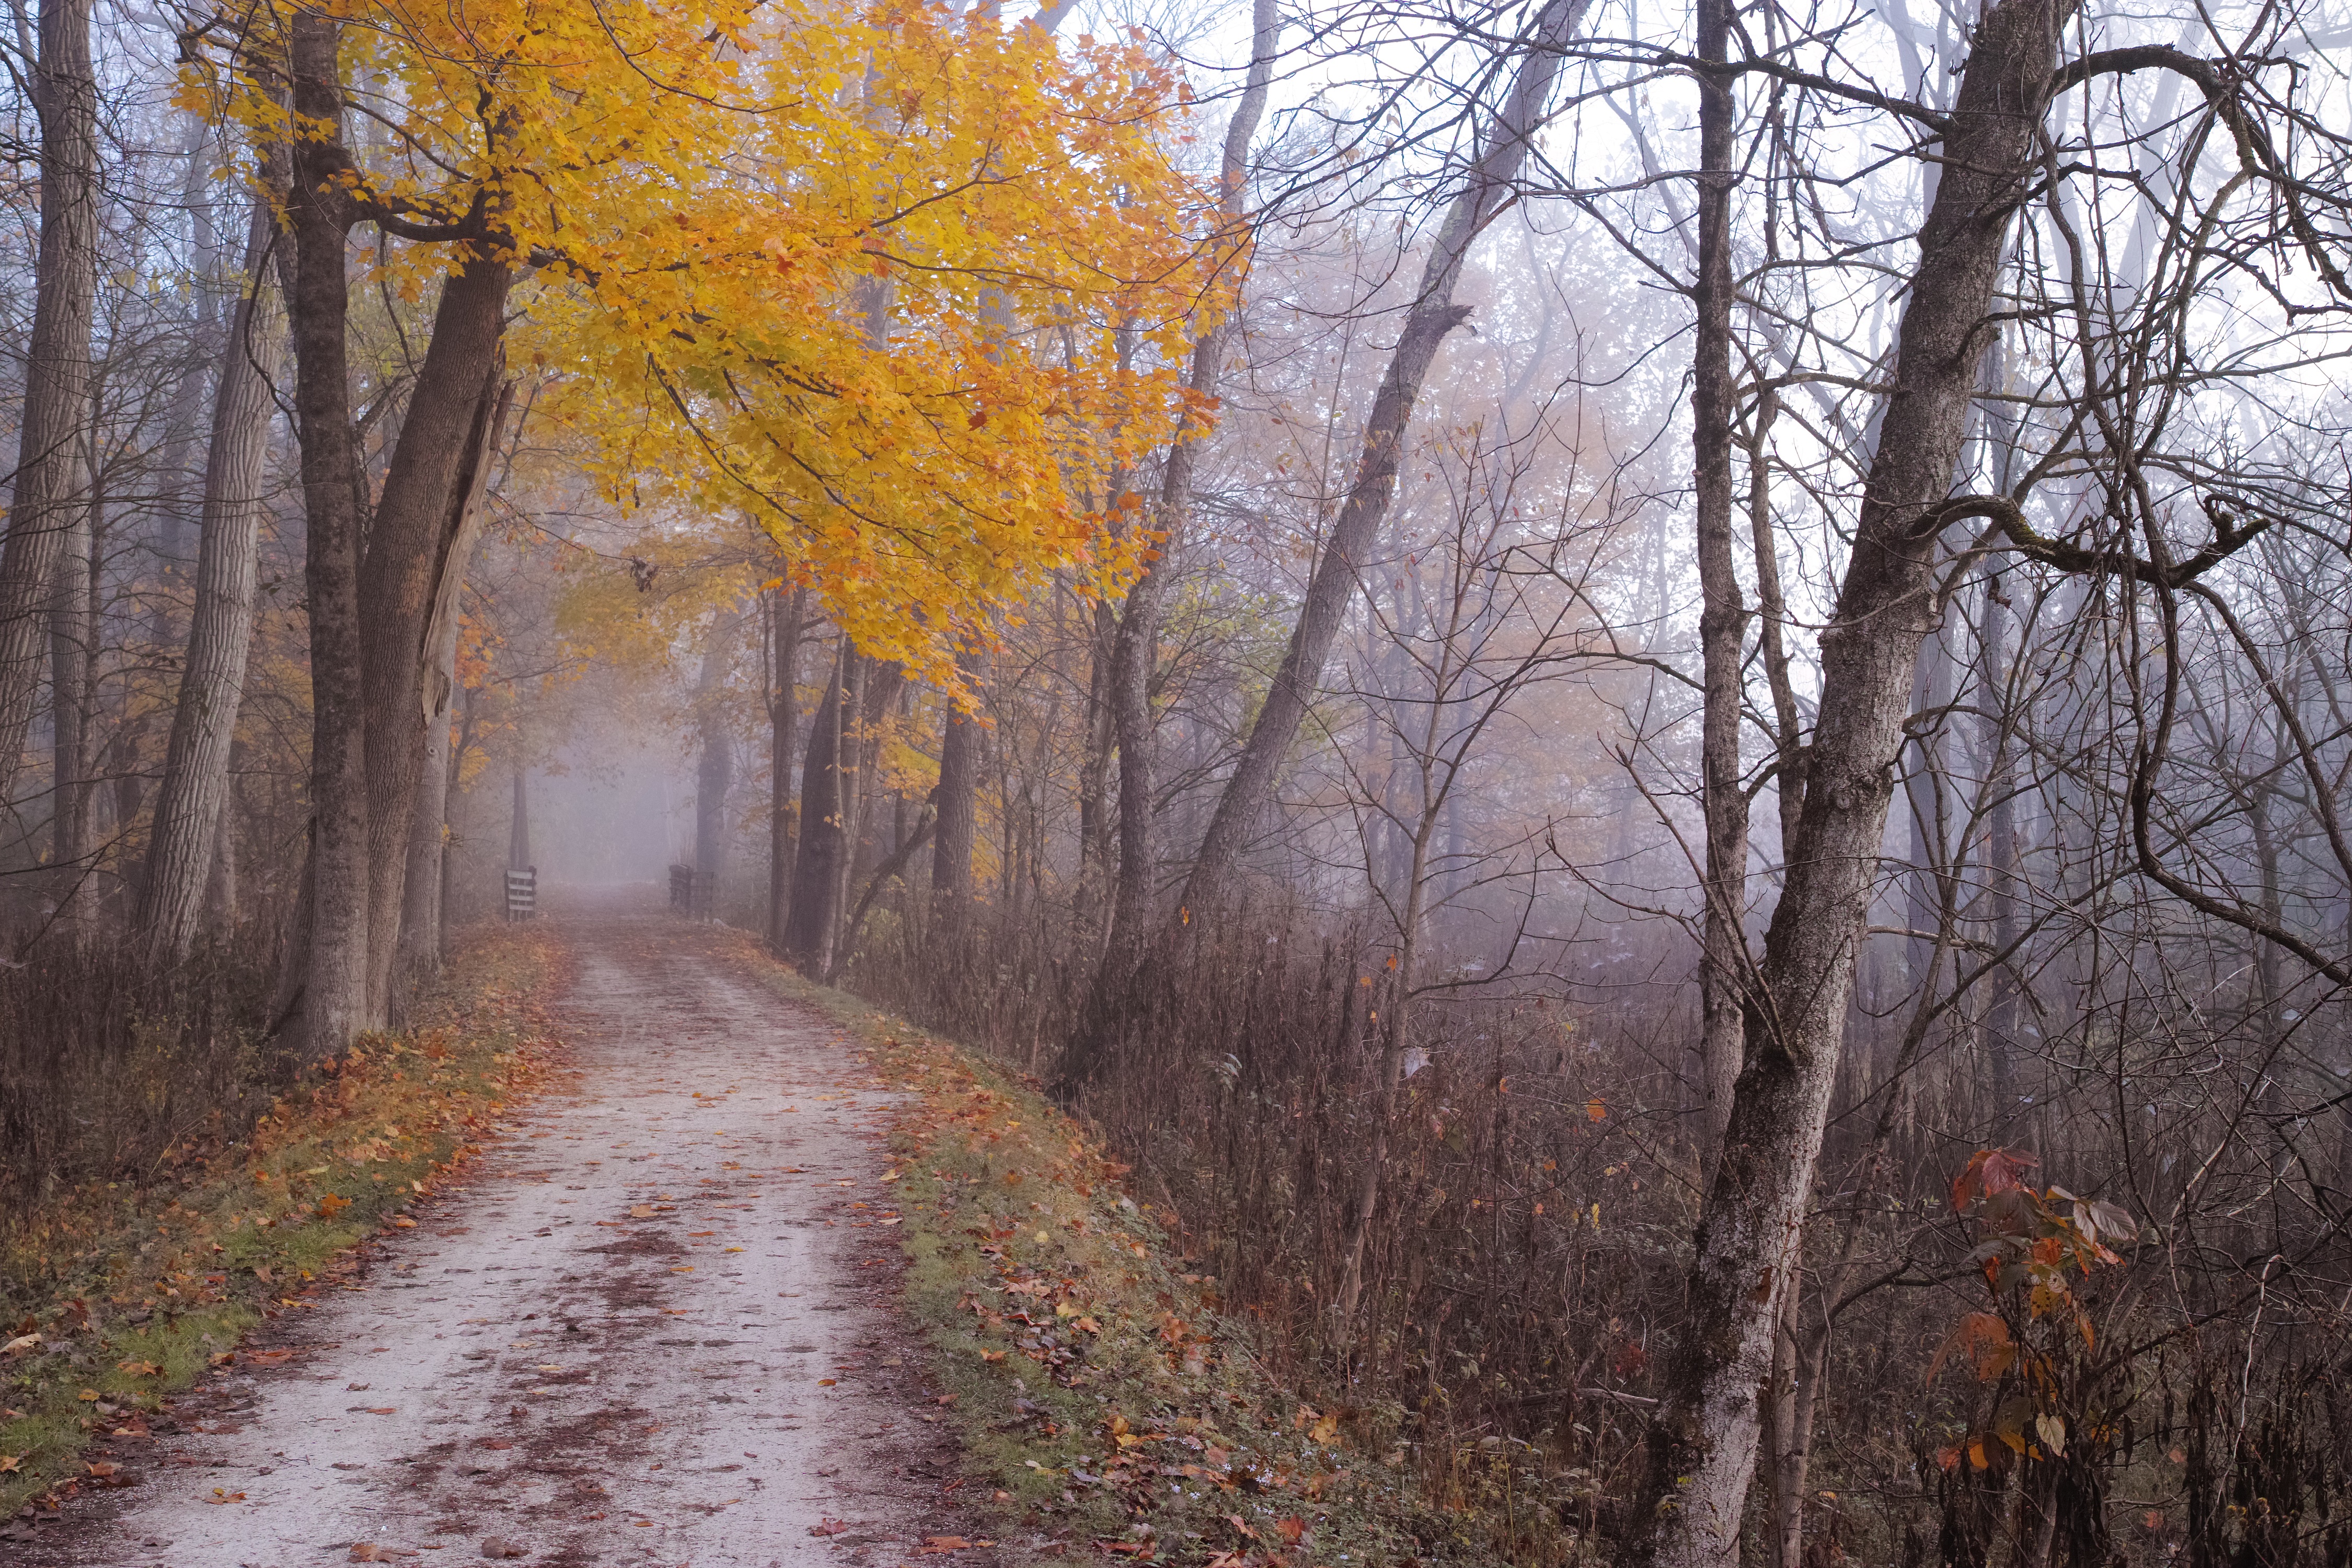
(73,627)
(442,457)
(715,769)
(786,616)
(1433,318)
(204,723)
(518,856)
(816,868)
(1723,616)
(958,818)
(47,499)
(1134,648)
(418,952)
(325,1001)
(1701,1447)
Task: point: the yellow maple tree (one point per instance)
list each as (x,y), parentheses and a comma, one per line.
(909,284)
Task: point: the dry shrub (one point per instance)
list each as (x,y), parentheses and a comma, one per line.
(108,1071)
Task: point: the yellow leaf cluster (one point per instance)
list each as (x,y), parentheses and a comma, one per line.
(909,284)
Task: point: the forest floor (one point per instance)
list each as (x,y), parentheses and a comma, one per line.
(653,1326)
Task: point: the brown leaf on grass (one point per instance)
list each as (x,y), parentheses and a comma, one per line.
(138,1368)
(1290,1530)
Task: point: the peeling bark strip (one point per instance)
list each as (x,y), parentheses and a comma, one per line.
(204,723)
(48,498)
(1702,1445)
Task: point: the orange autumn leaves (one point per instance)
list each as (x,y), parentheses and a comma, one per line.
(908,286)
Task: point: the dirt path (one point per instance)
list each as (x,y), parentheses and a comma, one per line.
(652,1329)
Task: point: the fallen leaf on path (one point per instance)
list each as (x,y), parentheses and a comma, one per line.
(829,1527)
(403,1224)
(220,1497)
(641,1211)
(369,1552)
(944,1543)
(104,1469)
(500,1546)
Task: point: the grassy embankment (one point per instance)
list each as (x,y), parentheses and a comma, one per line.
(119,1294)
(1106,1401)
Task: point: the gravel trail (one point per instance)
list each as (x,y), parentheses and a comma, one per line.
(653,1328)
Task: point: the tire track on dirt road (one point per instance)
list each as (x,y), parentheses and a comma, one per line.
(652,1327)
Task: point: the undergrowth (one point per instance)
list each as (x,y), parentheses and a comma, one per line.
(115,1294)
(1107,1399)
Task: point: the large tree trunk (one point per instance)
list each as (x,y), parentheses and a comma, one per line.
(1722,615)
(1434,316)
(441,455)
(787,616)
(1702,1444)
(47,499)
(204,723)
(327,1002)
(419,950)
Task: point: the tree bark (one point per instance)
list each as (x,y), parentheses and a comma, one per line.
(1723,615)
(73,625)
(47,499)
(1701,1447)
(418,953)
(787,616)
(439,460)
(1434,316)
(328,1001)
(817,866)
(518,857)
(957,828)
(186,831)
(715,769)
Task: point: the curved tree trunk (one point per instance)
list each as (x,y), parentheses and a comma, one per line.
(47,499)
(1431,319)
(204,723)
(1701,1447)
